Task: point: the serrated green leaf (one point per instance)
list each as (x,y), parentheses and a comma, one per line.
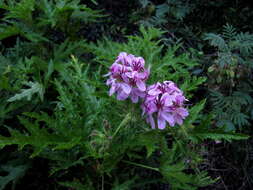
(14,173)
(194,112)
(35,88)
(218,135)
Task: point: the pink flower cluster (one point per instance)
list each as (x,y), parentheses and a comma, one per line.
(164,101)
(167,100)
(127,77)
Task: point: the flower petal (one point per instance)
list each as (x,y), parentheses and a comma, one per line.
(182,112)
(112,90)
(129,74)
(161,123)
(141,85)
(126,88)
(139,93)
(125,78)
(151,121)
(169,118)
(154,92)
(178,119)
(143,75)
(134,98)
(166,99)
(122,95)
(108,74)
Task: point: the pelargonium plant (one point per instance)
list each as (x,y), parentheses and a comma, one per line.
(127,77)
(164,101)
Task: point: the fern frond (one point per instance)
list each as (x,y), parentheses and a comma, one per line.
(20,10)
(229,108)
(229,32)
(198,136)
(217,41)
(244,42)
(240,119)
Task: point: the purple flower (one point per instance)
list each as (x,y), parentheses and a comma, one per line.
(138,79)
(166,101)
(127,77)
(163,102)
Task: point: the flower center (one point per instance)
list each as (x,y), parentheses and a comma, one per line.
(159,104)
(137,67)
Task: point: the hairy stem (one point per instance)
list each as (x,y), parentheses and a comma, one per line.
(141,165)
(122,124)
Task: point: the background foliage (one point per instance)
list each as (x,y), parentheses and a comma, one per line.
(61,130)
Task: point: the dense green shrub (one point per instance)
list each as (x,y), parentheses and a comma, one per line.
(55,108)
(43,35)
(230,77)
(86,130)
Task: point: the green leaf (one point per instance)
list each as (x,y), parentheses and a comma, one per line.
(176,177)
(127,185)
(194,112)
(216,135)
(39,138)
(35,87)
(8,31)
(68,145)
(76,185)
(150,140)
(15,172)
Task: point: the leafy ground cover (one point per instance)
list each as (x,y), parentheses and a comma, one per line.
(64,125)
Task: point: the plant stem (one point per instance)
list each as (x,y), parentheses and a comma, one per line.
(102,182)
(141,165)
(184,130)
(122,124)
